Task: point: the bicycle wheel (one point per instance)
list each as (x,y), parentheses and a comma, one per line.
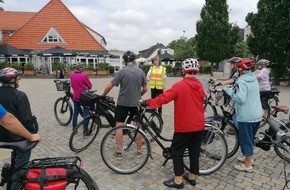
(63,111)
(80,139)
(213,151)
(155,118)
(285,155)
(130,162)
(83,182)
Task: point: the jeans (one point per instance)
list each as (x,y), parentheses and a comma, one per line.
(77,108)
(247,132)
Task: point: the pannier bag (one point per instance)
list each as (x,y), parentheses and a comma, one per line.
(88,99)
(49,173)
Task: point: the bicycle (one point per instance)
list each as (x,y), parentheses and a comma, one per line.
(49,173)
(212,157)
(100,106)
(63,110)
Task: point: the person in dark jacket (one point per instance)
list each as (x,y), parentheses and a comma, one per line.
(17,103)
(189,123)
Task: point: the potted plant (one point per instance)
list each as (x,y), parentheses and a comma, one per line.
(102,69)
(89,70)
(56,66)
(29,69)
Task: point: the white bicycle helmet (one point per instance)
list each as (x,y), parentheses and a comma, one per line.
(190,65)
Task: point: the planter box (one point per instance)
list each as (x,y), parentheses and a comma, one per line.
(90,73)
(103,73)
(29,72)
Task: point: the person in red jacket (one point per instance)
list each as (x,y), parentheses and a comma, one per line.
(189,123)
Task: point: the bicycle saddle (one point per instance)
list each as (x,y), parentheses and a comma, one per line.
(281,108)
(19,146)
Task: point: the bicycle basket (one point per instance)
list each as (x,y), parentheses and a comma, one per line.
(62,85)
(219,98)
(49,173)
(88,99)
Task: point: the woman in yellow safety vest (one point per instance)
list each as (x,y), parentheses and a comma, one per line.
(156,77)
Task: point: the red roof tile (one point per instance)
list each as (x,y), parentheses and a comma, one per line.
(12,20)
(54,14)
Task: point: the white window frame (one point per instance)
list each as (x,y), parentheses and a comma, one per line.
(52,36)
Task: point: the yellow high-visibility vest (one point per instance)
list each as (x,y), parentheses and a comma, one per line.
(157,78)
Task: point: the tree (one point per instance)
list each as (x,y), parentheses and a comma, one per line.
(214,40)
(270,37)
(183,48)
(241,49)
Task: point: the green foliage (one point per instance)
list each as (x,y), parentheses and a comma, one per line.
(111,69)
(29,66)
(214,40)
(270,28)
(102,66)
(168,69)
(204,69)
(145,68)
(16,66)
(241,49)
(90,67)
(57,66)
(4,65)
(183,48)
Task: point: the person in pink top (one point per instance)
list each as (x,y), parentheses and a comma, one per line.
(79,83)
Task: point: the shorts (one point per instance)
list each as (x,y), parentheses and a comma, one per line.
(122,113)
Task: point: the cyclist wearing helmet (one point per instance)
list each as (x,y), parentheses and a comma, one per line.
(233,74)
(262,75)
(188,96)
(133,85)
(11,123)
(79,83)
(246,97)
(17,103)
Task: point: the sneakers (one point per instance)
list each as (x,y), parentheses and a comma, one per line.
(242,167)
(242,159)
(139,154)
(170,183)
(118,156)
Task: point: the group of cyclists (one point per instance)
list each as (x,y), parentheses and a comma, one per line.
(188,96)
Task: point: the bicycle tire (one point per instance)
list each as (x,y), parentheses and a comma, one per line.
(130,163)
(85,182)
(79,141)
(282,153)
(213,152)
(271,102)
(63,117)
(212,111)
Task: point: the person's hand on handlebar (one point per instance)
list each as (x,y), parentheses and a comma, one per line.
(143,103)
(35,137)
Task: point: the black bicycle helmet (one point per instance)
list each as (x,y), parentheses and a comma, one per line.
(8,74)
(79,66)
(129,56)
(234,60)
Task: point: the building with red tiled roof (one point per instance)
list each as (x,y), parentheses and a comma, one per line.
(53,26)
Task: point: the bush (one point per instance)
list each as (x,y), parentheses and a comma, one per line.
(102,66)
(4,65)
(57,66)
(17,66)
(204,69)
(90,67)
(111,69)
(29,66)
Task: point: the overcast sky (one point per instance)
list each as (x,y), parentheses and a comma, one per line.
(138,24)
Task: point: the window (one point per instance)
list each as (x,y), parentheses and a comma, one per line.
(52,36)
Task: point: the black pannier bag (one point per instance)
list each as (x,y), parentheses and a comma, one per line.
(88,99)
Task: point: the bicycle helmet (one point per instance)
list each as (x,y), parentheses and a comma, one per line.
(263,62)
(245,64)
(79,66)
(234,60)
(8,74)
(190,65)
(129,56)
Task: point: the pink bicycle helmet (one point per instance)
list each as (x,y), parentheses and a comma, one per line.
(234,60)
(190,65)
(8,74)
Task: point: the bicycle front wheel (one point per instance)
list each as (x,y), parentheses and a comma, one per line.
(213,151)
(80,139)
(63,111)
(284,154)
(129,162)
(83,182)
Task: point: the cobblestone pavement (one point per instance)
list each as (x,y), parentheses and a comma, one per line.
(268,169)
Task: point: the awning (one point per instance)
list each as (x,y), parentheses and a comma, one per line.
(8,50)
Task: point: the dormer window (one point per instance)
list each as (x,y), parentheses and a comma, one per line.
(52,36)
